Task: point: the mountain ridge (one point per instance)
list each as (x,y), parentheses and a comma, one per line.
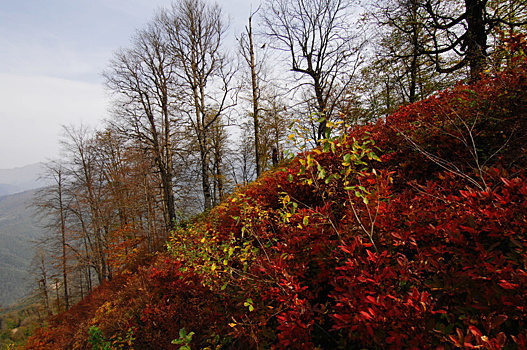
(20,179)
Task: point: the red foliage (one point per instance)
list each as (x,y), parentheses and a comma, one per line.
(155,303)
(425,249)
(177,299)
(62,329)
(446,258)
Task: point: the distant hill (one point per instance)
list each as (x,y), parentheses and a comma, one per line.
(18,229)
(20,179)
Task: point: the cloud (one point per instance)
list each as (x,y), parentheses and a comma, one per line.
(51,56)
(33,110)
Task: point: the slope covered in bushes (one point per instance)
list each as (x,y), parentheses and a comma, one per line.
(409,233)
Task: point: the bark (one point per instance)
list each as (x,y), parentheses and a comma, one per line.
(255,98)
(476,37)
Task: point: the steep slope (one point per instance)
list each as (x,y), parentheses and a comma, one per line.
(19,229)
(410,233)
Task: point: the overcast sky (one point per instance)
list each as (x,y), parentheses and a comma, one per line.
(51,55)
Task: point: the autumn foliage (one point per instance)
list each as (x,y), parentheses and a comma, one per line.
(406,234)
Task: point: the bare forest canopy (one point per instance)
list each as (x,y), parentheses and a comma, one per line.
(337,247)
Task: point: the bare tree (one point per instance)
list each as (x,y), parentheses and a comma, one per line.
(220,153)
(397,72)
(52,203)
(143,80)
(267,122)
(403,35)
(87,191)
(317,37)
(42,276)
(196,31)
(128,181)
(247,49)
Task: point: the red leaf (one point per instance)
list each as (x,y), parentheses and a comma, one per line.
(501,339)
(507,285)
(366,315)
(475,331)
(371,299)
(391,340)
(455,340)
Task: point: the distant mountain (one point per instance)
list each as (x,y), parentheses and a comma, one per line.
(19,228)
(6,189)
(21,179)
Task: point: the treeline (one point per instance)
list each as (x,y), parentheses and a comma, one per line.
(190,121)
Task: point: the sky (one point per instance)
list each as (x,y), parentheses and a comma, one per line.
(52,54)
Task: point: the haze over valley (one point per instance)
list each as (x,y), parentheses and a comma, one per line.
(19,230)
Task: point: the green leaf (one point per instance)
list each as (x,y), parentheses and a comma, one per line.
(231,251)
(372,156)
(249,303)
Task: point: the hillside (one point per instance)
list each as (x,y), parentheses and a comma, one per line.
(405,234)
(21,179)
(19,229)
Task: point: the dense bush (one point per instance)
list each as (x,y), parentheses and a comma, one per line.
(409,233)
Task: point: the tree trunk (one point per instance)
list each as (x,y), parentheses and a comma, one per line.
(63,240)
(205,180)
(476,37)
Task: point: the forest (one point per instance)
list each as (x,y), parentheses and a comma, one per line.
(353,177)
